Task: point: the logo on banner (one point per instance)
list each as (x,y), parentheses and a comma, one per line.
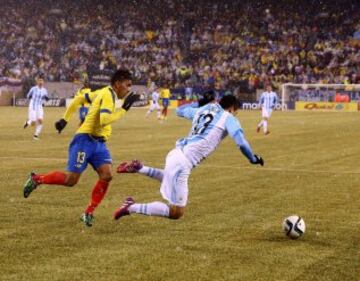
(255,106)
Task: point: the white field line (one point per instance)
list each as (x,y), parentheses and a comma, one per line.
(230,167)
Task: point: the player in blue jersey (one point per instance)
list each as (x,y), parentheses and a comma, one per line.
(36,95)
(267,103)
(210,124)
(154,104)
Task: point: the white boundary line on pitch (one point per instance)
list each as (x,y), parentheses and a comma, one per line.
(210,166)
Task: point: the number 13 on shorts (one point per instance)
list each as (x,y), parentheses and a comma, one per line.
(81,156)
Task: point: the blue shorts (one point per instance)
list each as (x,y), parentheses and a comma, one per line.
(165,102)
(83,111)
(85,149)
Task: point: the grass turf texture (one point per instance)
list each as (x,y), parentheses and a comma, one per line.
(232,225)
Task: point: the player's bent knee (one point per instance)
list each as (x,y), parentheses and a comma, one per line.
(106,177)
(71,183)
(72,180)
(176,212)
(105,173)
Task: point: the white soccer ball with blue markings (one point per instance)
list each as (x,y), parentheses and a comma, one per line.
(294,226)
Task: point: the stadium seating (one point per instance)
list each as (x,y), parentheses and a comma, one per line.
(232,44)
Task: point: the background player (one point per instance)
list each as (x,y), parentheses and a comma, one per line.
(36,95)
(211,123)
(267,103)
(78,101)
(155,103)
(88,145)
(82,100)
(84,106)
(165,95)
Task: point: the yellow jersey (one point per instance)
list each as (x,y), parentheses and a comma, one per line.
(165,93)
(80,99)
(82,92)
(101,112)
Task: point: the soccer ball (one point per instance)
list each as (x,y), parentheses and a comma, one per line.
(294,226)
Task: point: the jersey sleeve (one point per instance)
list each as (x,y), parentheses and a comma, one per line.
(187,110)
(46,95)
(78,93)
(107,116)
(30,93)
(233,127)
(276,99)
(74,105)
(261,100)
(89,97)
(107,103)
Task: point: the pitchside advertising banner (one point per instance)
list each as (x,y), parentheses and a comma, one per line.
(52,102)
(256,106)
(326,106)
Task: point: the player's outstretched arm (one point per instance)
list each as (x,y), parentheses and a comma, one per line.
(276,100)
(30,93)
(74,105)
(46,96)
(235,131)
(245,148)
(106,115)
(187,110)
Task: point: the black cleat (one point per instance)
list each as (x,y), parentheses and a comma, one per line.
(88,219)
(30,185)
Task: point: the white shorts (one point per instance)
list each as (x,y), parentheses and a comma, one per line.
(266,113)
(35,114)
(174,186)
(154,106)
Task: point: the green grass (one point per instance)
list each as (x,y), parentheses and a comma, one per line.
(232,226)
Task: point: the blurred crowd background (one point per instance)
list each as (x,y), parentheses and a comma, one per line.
(229,44)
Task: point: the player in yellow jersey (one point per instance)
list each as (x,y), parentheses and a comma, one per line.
(84,106)
(82,100)
(165,95)
(89,143)
(79,100)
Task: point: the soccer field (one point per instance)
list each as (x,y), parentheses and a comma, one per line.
(232,228)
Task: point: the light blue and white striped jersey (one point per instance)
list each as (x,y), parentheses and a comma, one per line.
(210,125)
(155,97)
(268,100)
(36,96)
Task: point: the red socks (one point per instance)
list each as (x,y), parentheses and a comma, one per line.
(51,178)
(97,195)
(164,111)
(59,178)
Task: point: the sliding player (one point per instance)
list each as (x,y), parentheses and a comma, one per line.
(210,124)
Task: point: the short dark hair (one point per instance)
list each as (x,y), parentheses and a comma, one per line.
(40,76)
(229,100)
(121,75)
(207,96)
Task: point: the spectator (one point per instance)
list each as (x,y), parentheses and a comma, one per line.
(232,43)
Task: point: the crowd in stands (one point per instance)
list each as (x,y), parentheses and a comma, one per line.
(228,44)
